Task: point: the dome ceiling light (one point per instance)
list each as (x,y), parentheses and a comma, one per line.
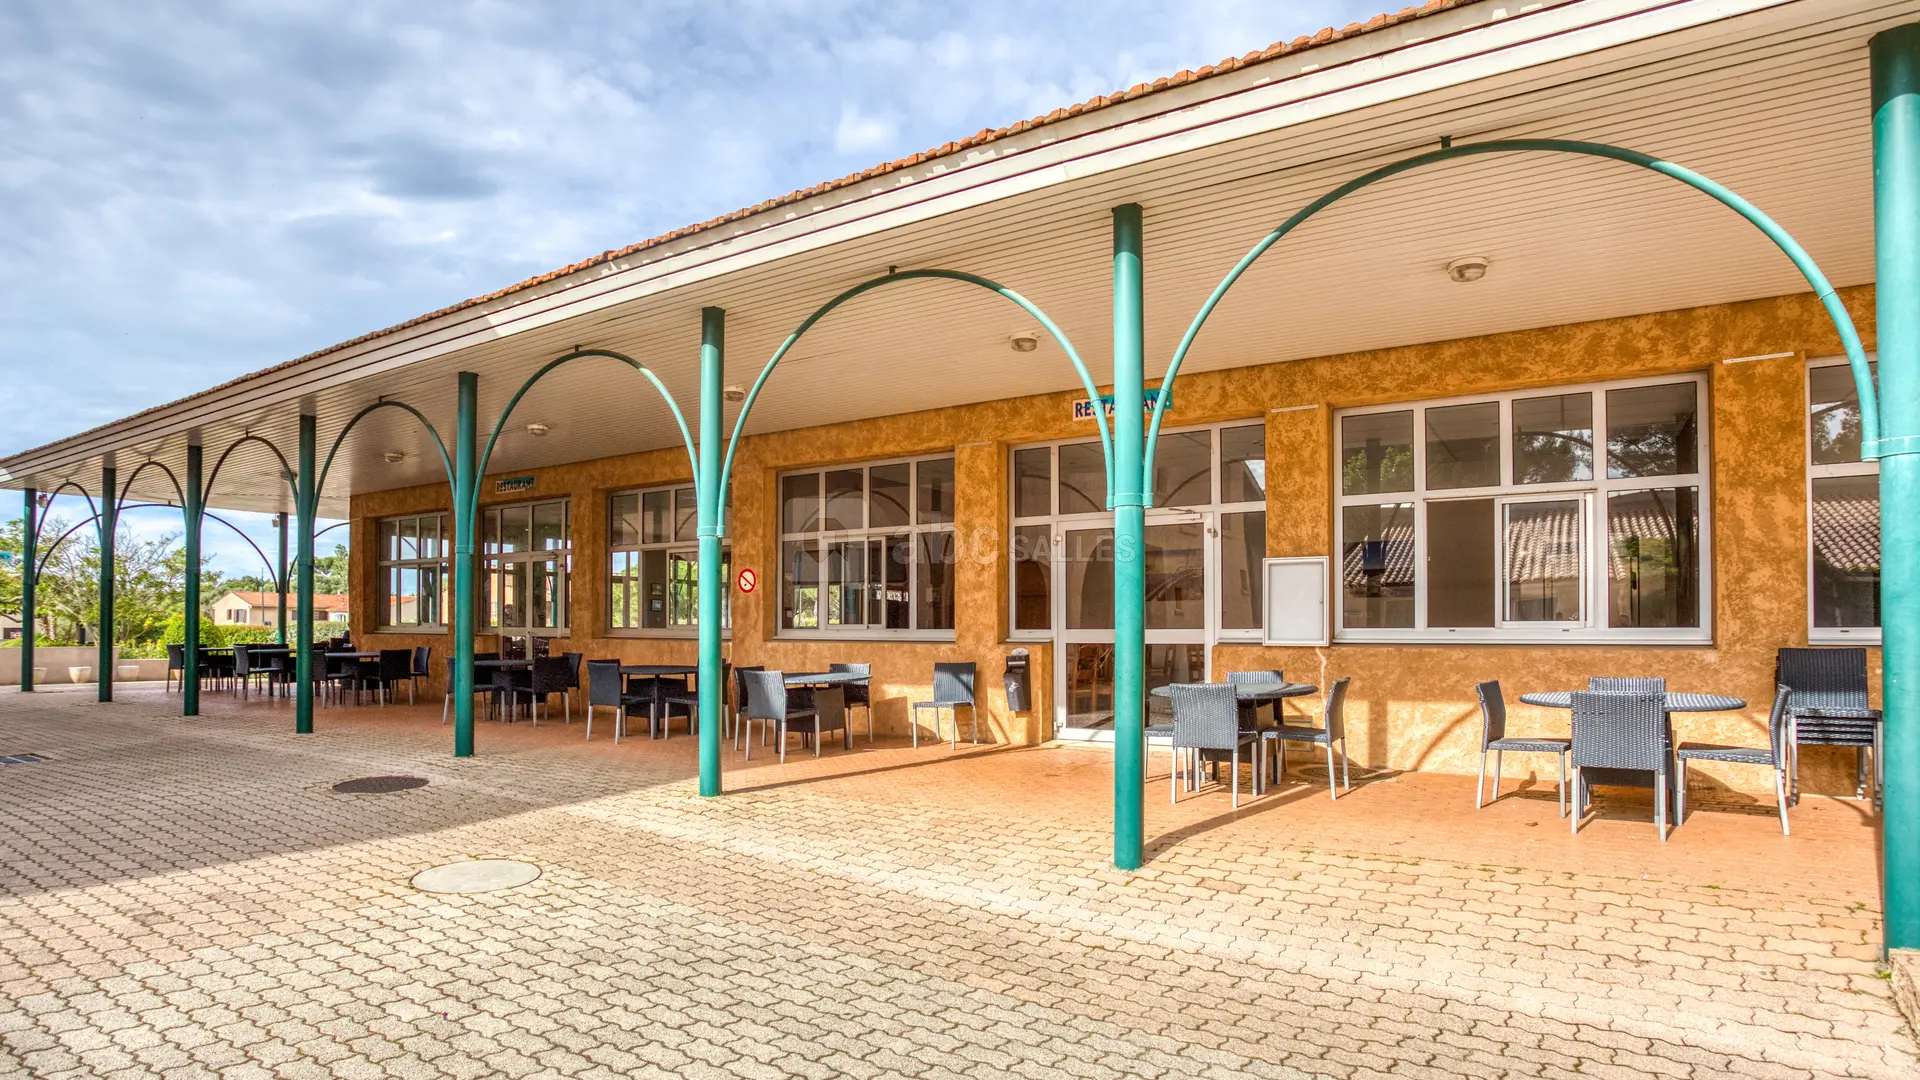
(1468,269)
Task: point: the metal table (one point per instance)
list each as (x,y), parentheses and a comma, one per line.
(653,673)
(1248,694)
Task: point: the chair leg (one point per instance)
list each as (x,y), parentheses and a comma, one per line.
(782,739)
(619,722)
(1346,763)
(1480,784)
(1563,783)
(817,740)
(1573,819)
(1680,794)
(1780,798)
(1660,804)
(1333,785)
(1233,776)
(446,704)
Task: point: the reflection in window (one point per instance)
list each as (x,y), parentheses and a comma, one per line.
(1460,563)
(1653,564)
(1376,453)
(1834,416)
(1243,464)
(1243,550)
(1083,479)
(1183,469)
(1653,430)
(879,554)
(1846,551)
(1544,554)
(1088,556)
(1553,439)
(1376,566)
(1032,482)
(1033,577)
(1463,445)
(524,574)
(653,579)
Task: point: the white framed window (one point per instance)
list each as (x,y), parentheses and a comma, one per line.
(526,563)
(1843,513)
(1559,514)
(653,578)
(1218,471)
(413,577)
(869,549)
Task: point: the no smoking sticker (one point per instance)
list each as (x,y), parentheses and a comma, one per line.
(748,579)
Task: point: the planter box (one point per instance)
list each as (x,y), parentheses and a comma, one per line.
(55,660)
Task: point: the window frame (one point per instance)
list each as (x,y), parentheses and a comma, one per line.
(823,537)
(670,548)
(1058,524)
(382,564)
(1593,629)
(491,563)
(1828,635)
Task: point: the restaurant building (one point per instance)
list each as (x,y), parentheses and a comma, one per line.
(1530,414)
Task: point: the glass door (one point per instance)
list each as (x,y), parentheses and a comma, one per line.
(1179,571)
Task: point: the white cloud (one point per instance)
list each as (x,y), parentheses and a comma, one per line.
(859,134)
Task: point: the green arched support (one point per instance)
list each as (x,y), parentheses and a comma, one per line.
(1842,322)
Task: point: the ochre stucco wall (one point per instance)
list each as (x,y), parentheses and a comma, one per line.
(1410,707)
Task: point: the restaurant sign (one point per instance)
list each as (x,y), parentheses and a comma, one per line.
(1083,407)
(507,485)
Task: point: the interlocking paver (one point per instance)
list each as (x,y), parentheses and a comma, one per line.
(189,898)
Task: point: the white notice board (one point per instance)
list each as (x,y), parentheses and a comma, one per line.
(1296,601)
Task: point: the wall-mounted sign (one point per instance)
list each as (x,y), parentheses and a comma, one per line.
(507,485)
(748,579)
(1083,407)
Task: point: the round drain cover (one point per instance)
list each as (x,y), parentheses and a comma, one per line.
(379,785)
(476,876)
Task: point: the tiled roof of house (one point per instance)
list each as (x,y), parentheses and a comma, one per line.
(321,601)
(980,138)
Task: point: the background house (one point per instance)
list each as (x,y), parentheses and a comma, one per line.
(237,608)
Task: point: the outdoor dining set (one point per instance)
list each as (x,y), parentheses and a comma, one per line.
(1621,732)
(339,670)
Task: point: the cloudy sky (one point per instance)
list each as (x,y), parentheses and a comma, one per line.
(194,190)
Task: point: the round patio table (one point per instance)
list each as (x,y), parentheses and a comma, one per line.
(1677,701)
(1246,693)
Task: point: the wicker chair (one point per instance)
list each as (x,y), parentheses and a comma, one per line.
(1605,685)
(858,694)
(767,702)
(422,657)
(1773,755)
(1335,731)
(689,699)
(395,666)
(550,675)
(1206,724)
(740,705)
(1828,707)
(1494,737)
(482,680)
(1615,730)
(952,688)
(1250,710)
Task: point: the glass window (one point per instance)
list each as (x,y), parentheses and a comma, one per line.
(1463,445)
(1556,545)
(1376,453)
(1553,439)
(1033,482)
(1083,479)
(524,574)
(1843,508)
(869,547)
(1651,430)
(1183,469)
(1032,576)
(654,561)
(1243,551)
(1088,559)
(1243,464)
(412,576)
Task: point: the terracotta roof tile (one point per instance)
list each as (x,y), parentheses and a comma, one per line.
(980,138)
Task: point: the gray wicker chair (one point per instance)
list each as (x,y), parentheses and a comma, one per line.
(1773,755)
(1334,731)
(1206,724)
(768,703)
(1627,685)
(1250,711)
(952,688)
(1615,730)
(858,694)
(1828,707)
(1494,737)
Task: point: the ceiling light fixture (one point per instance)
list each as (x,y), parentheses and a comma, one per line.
(1024,341)
(394,457)
(1468,269)
(537,429)
(734,395)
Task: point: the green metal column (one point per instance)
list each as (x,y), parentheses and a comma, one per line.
(190,646)
(280,578)
(465,495)
(1896,216)
(306,501)
(28,585)
(713,585)
(1129,536)
(108,527)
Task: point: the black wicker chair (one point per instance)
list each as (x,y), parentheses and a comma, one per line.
(550,675)
(740,705)
(1494,737)
(1773,755)
(858,694)
(176,661)
(1334,731)
(422,657)
(1616,730)
(688,698)
(482,680)
(1602,684)
(1206,725)
(395,666)
(1828,707)
(952,688)
(605,686)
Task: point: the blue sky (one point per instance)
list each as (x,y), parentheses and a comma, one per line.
(192,191)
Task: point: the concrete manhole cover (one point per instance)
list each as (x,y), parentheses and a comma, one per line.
(476,876)
(379,785)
